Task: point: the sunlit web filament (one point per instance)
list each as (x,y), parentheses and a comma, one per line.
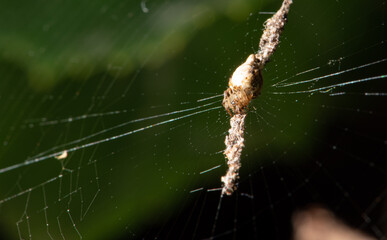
(122,125)
(328,75)
(73,149)
(333,85)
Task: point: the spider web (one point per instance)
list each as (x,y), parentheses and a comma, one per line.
(112,124)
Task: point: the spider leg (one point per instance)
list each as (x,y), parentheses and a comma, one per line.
(245,99)
(230,101)
(226,100)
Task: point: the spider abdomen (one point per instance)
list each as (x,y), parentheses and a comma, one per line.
(244,85)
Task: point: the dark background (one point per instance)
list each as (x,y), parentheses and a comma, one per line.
(62,60)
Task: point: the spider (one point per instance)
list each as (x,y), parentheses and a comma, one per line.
(244,85)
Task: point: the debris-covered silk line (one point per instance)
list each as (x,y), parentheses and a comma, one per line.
(235,139)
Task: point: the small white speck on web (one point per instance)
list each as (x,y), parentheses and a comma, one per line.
(143,6)
(63,155)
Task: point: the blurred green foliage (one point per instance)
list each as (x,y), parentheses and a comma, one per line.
(56,40)
(61,59)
